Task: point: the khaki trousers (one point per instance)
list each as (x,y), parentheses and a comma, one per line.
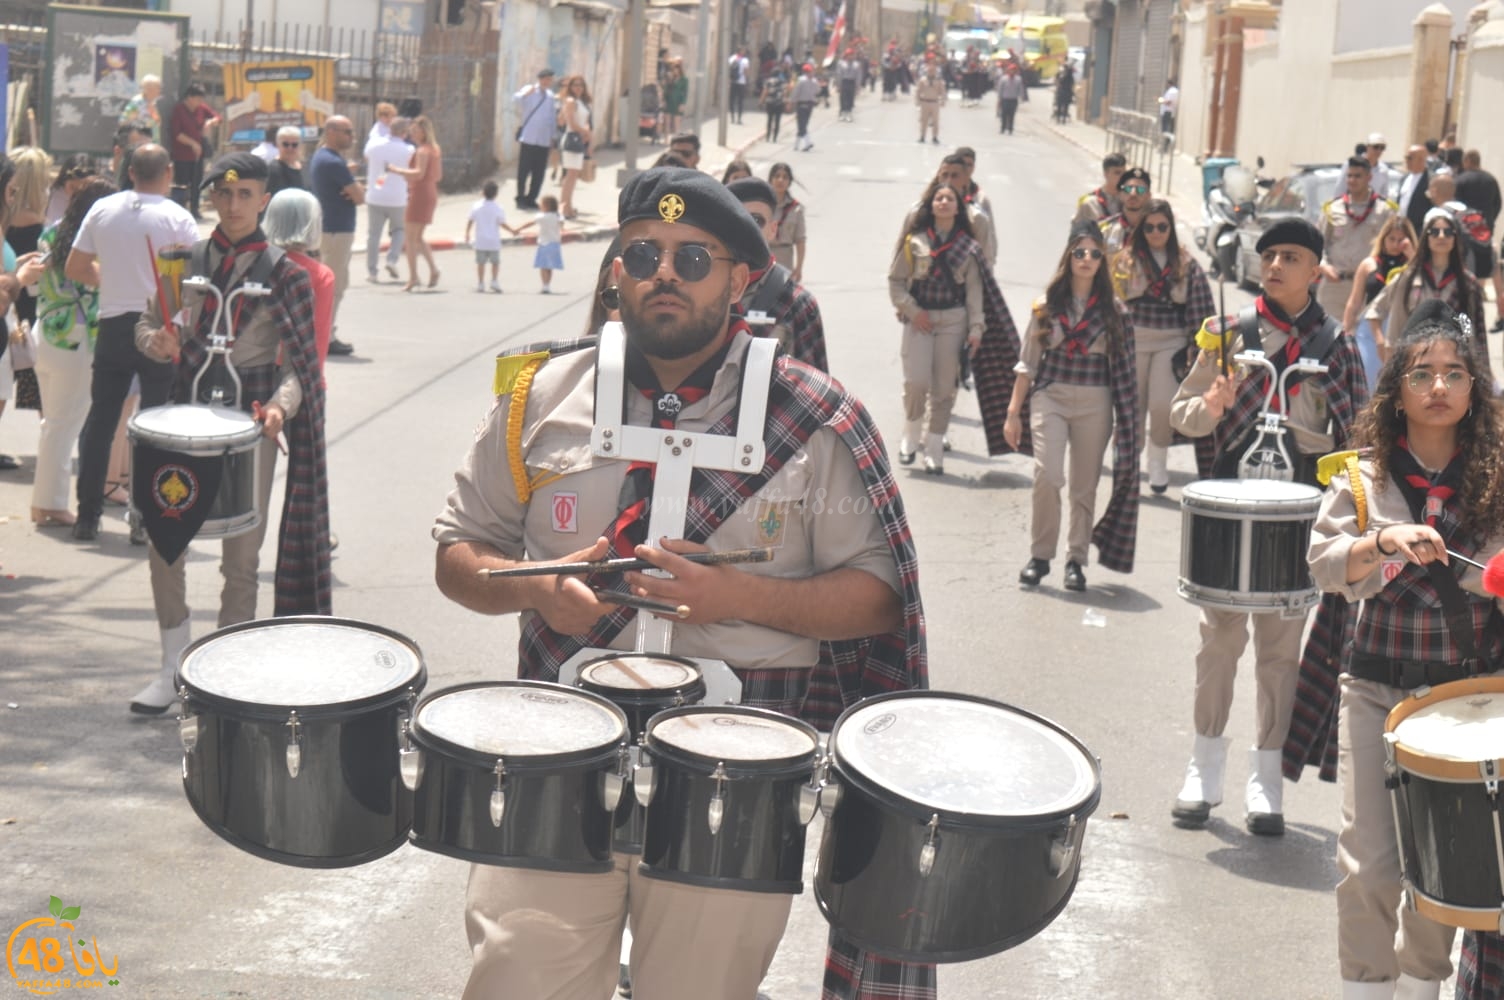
(1078,417)
(931,365)
(929,120)
(334,251)
(239,561)
(552,936)
(1276,650)
(1153,351)
(1332,295)
(1368,895)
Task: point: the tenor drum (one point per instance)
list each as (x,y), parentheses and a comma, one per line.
(1243,545)
(523,774)
(641,685)
(729,791)
(204,446)
(290,733)
(1444,749)
(957,825)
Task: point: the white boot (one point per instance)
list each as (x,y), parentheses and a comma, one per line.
(1266,792)
(1159,467)
(934,454)
(913,433)
(1410,988)
(1367,991)
(1203,782)
(158,696)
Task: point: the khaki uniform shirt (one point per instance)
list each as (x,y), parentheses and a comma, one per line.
(982,229)
(1308,416)
(814,513)
(912,262)
(1045,334)
(929,91)
(1349,240)
(1088,209)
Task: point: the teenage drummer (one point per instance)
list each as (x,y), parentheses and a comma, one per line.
(1430,484)
(532,489)
(1223,398)
(276,360)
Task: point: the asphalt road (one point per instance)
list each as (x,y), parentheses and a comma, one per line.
(91,805)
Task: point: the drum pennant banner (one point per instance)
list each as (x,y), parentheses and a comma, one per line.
(172,494)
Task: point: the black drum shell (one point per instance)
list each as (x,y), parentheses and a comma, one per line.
(1448,841)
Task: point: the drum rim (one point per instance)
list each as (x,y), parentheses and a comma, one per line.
(1422,764)
(1189,494)
(771,767)
(950,818)
(585,757)
(213,443)
(276,712)
(641,696)
(1472,918)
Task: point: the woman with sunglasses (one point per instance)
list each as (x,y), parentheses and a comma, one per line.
(1392,249)
(1078,378)
(1168,297)
(1436,271)
(1431,483)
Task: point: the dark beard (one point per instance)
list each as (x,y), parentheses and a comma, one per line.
(672,338)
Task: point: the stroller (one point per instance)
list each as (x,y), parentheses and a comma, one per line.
(648,114)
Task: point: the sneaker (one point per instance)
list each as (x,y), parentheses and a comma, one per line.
(86,528)
(495,288)
(339,348)
(373,277)
(391,269)
(545,291)
(138,531)
(479,287)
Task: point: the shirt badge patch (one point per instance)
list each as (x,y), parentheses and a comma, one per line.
(771,520)
(565,508)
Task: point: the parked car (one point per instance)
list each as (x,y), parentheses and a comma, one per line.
(1302,193)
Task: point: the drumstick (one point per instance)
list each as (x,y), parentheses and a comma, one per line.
(642,603)
(1462,558)
(161,292)
(626,564)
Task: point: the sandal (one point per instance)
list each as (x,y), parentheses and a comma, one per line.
(52,518)
(117,493)
(433,279)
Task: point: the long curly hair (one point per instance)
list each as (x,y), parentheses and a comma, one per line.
(1480,434)
(1057,294)
(73,218)
(924,218)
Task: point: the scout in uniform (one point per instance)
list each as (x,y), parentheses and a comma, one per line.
(1133,190)
(276,358)
(534,487)
(1348,227)
(953,173)
(774,304)
(929,94)
(1102,202)
(1289,324)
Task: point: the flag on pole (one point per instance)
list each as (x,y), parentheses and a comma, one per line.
(837,36)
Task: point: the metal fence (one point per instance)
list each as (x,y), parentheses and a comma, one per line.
(1138,137)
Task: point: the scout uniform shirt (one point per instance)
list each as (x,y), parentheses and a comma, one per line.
(1094,206)
(1350,229)
(911,266)
(814,512)
(929,92)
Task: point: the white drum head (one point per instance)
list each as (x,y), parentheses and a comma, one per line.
(1466,728)
(300,663)
(1253,494)
(965,756)
(202,425)
(520,720)
(726,734)
(639,673)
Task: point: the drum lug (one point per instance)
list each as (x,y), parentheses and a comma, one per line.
(717,810)
(187,723)
(642,778)
(294,745)
(1488,770)
(809,802)
(409,757)
(613,783)
(1063,849)
(931,844)
(498,797)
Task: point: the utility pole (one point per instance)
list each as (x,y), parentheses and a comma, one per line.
(633,44)
(702,56)
(723,54)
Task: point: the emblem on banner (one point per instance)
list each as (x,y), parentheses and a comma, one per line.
(566,508)
(175,489)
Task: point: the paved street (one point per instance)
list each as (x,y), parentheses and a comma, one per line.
(91,804)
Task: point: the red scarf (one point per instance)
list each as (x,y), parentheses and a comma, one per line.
(1358,220)
(936,247)
(1430,277)
(1438,491)
(1159,288)
(1076,342)
(1276,317)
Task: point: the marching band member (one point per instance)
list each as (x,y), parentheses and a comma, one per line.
(1102,202)
(1348,227)
(774,303)
(1133,189)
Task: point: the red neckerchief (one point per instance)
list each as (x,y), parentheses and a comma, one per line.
(753,277)
(224,274)
(1276,317)
(1076,344)
(1159,288)
(1430,278)
(1436,492)
(783,214)
(1358,220)
(1101,200)
(936,251)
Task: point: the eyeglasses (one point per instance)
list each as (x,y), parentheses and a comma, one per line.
(691,261)
(1135,189)
(1422,379)
(288,145)
(1442,232)
(1156,227)
(1081,253)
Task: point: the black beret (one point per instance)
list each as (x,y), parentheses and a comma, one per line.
(244,167)
(1295,231)
(1135,174)
(681,195)
(752,189)
(1085,230)
(1431,313)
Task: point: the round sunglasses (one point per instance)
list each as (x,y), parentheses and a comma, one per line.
(1081,253)
(692,262)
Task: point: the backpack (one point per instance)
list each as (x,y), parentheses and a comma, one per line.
(1477,240)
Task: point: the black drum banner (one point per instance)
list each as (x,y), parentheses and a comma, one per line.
(173,494)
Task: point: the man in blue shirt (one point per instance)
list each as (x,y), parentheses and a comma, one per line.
(538,117)
(338,193)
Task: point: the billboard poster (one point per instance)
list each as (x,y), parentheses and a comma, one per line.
(263,95)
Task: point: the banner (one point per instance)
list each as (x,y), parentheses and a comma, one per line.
(837,35)
(264,95)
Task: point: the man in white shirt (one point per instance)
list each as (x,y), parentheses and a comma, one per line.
(267,148)
(386,196)
(1169,104)
(118,227)
(738,66)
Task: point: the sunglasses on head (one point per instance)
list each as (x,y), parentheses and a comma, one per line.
(1135,189)
(1081,253)
(1156,227)
(1441,232)
(692,262)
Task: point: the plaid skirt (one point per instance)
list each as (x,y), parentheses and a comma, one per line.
(1480,969)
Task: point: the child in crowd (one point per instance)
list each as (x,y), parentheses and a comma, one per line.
(549,257)
(489,220)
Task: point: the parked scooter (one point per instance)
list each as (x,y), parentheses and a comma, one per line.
(1230,190)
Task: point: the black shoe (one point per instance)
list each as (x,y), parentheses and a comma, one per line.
(906,457)
(1498,326)
(1036,570)
(1158,489)
(138,531)
(1190,815)
(86,528)
(339,348)
(1266,824)
(1074,578)
(935,140)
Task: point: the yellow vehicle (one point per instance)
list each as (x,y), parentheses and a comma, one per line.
(1040,44)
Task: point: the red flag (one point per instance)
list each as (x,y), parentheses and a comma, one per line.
(837,31)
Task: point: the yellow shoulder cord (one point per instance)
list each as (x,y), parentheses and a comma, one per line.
(1360,499)
(516,417)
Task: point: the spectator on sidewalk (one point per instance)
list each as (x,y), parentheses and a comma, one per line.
(386,197)
(381,128)
(539,112)
(192,119)
(675,96)
(1479,189)
(574,116)
(286,171)
(338,193)
(267,147)
(1010,90)
(487,220)
(806,95)
(1413,202)
(422,198)
(1169,104)
(143,107)
(740,66)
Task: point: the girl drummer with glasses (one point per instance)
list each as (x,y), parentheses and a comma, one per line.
(1430,484)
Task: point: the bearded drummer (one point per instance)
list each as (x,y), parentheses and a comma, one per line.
(275,358)
(544,482)
(1224,399)
(1429,484)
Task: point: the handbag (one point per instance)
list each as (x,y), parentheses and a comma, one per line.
(587,171)
(23,347)
(573,143)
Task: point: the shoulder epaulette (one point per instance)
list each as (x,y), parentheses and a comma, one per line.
(1041,307)
(1394,206)
(511,363)
(1328,466)
(514,376)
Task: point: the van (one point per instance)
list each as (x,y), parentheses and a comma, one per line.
(1040,44)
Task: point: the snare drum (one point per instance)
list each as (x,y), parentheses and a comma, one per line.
(290,733)
(523,774)
(223,438)
(729,791)
(641,685)
(1243,545)
(956,828)
(1445,746)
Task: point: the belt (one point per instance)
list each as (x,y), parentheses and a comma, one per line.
(1406,674)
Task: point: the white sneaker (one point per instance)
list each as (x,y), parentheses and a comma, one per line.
(479,287)
(495,288)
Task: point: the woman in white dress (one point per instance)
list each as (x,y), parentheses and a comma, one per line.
(574,146)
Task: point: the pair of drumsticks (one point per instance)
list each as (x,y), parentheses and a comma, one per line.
(623,565)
